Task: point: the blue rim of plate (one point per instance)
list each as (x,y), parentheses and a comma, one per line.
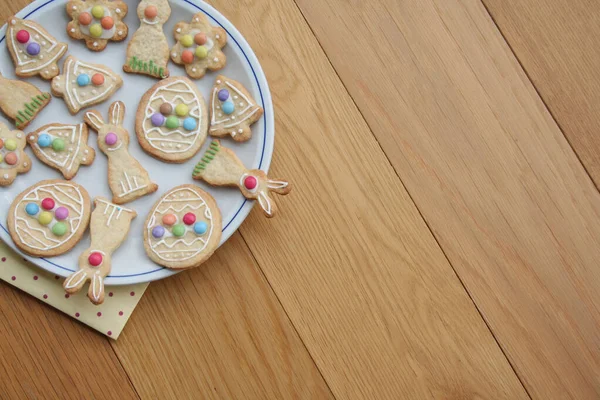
(262,156)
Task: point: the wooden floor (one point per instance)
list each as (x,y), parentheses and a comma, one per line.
(442,240)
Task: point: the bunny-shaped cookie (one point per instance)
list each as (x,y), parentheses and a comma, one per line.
(148,50)
(221,167)
(127,179)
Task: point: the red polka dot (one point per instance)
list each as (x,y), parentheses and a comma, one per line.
(132,294)
(67,295)
(110,294)
(77,314)
(45,296)
(121,313)
(109,333)
(56,277)
(14,278)
(99,314)
(35,277)
(3,259)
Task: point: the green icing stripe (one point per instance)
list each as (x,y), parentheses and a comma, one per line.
(36,101)
(24,116)
(28,107)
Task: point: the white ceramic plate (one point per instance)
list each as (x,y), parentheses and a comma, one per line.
(130,263)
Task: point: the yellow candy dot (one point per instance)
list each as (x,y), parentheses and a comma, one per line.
(45,217)
(11,144)
(201,52)
(187,41)
(1,158)
(181,110)
(96,30)
(98,12)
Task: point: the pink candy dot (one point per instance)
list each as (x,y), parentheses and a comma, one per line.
(95,259)
(23,36)
(77,314)
(111,138)
(99,314)
(48,203)
(35,277)
(61,213)
(189,218)
(121,313)
(250,182)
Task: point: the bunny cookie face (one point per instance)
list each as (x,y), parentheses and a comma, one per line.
(154,12)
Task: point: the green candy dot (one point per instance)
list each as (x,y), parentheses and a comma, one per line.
(58,144)
(178,230)
(59,229)
(172,122)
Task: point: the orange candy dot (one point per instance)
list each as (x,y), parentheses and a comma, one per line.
(107,23)
(200,39)
(1,143)
(187,56)
(169,219)
(85,18)
(97,79)
(151,12)
(11,158)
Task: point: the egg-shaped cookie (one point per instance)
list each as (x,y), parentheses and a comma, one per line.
(183,229)
(172,121)
(49,218)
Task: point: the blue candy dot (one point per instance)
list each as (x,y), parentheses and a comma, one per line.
(189,124)
(200,228)
(83,80)
(228,107)
(158,231)
(44,140)
(32,208)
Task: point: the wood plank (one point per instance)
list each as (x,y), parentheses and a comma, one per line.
(46,354)
(217,332)
(355,267)
(557,44)
(489,169)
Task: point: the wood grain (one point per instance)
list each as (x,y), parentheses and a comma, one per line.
(217,332)
(355,267)
(47,355)
(489,169)
(557,44)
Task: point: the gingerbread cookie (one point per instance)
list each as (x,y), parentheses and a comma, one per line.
(13,159)
(127,179)
(97,22)
(148,50)
(221,167)
(183,229)
(84,84)
(171,120)
(232,110)
(62,147)
(33,50)
(21,101)
(49,218)
(199,46)
(108,230)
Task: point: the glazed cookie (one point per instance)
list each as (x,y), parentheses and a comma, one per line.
(183,229)
(33,50)
(148,50)
(127,179)
(49,218)
(108,230)
(221,167)
(171,120)
(21,101)
(199,46)
(13,159)
(62,147)
(232,110)
(97,22)
(84,84)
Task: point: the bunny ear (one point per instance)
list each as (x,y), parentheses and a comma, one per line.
(278,186)
(94,120)
(116,113)
(96,290)
(75,281)
(267,204)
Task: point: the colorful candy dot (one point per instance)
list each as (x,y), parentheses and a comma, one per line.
(178,230)
(187,41)
(58,144)
(189,124)
(107,23)
(1,157)
(223,94)
(32,208)
(157,119)
(95,259)
(1,143)
(23,36)
(166,109)
(98,79)
(44,140)
(96,30)
(169,219)
(48,203)
(200,39)
(11,144)
(200,228)
(151,12)
(181,110)
(172,122)
(158,231)
(250,182)
(111,138)
(85,18)
(83,80)
(61,213)
(228,107)
(10,158)
(98,12)
(45,217)
(59,228)
(189,218)
(33,49)
(201,52)
(187,56)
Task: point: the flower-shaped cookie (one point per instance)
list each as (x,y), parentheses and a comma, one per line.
(97,22)
(199,46)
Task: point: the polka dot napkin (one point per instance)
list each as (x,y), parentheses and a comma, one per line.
(108,318)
